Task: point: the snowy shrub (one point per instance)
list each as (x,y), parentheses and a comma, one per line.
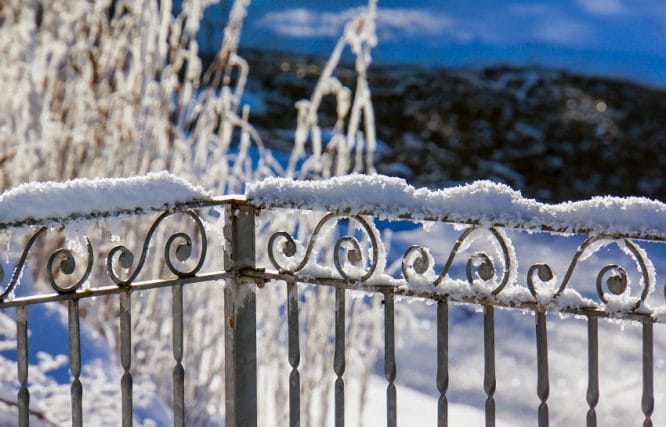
(115,88)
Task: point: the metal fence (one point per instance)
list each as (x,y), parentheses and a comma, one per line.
(354,263)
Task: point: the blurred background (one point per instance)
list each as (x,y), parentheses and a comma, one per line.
(560,99)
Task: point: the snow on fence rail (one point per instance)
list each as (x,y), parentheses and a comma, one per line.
(256,251)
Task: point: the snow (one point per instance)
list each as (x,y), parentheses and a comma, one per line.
(414,408)
(485,202)
(49,201)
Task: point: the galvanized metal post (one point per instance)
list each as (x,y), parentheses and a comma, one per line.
(339,357)
(442,362)
(241,321)
(592,396)
(647,400)
(543,384)
(389,359)
(126,381)
(489,380)
(22,364)
(294,355)
(76,389)
(178,373)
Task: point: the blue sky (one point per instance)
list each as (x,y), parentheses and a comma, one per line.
(620,38)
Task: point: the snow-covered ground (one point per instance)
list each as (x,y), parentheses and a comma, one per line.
(415,408)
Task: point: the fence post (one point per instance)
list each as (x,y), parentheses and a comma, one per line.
(240,319)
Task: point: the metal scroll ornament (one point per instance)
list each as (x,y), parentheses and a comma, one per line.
(361,269)
(61,259)
(416,261)
(611,279)
(179,245)
(66,261)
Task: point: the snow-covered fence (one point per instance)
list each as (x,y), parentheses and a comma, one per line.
(73,209)
(482,209)
(344,214)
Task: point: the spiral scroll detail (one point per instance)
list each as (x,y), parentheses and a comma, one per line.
(183,250)
(354,255)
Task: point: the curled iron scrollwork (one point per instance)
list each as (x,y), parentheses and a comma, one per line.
(417,261)
(179,244)
(353,266)
(613,276)
(66,261)
(61,259)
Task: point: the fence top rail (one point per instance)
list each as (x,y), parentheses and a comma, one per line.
(54,221)
(482,203)
(57,203)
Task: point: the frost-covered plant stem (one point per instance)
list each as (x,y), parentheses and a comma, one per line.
(360,36)
(114,88)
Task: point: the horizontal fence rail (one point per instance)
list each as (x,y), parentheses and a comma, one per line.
(356,260)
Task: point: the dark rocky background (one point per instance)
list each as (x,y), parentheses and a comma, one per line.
(553,134)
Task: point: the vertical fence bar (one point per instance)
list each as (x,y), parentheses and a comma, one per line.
(241,320)
(178,375)
(592,370)
(76,389)
(489,381)
(22,364)
(126,356)
(647,400)
(294,355)
(389,359)
(442,362)
(543,386)
(339,357)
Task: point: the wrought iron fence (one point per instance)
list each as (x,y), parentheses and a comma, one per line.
(357,261)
